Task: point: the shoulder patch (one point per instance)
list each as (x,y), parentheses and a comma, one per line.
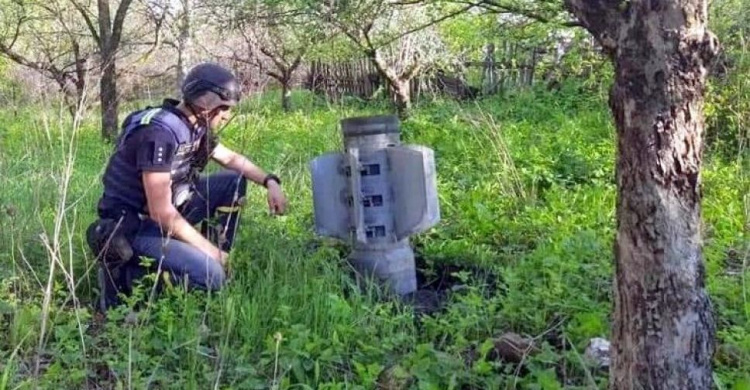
(166,119)
(162,153)
(146,119)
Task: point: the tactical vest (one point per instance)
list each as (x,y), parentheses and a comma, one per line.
(185,164)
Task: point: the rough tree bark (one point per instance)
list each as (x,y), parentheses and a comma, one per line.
(400,82)
(402,96)
(286,95)
(663,321)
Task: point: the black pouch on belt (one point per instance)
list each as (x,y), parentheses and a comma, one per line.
(110,239)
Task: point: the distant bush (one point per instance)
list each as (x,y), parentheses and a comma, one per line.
(728,98)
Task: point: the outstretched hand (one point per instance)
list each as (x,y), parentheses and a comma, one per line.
(276,199)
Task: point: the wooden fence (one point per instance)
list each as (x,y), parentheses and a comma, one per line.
(515,67)
(357,78)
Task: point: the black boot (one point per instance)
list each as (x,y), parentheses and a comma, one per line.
(110,285)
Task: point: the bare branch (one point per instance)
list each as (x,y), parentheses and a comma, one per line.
(428,24)
(86,19)
(158,39)
(297,61)
(45,68)
(275,75)
(17,32)
(411,70)
(498,7)
(19,59)
(117,26)
(277,59)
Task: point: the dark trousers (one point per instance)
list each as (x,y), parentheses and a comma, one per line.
(215,204)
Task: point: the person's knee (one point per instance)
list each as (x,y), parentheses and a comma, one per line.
(232,184)
(231,178)
(232,198)
(215,277)
(209,277)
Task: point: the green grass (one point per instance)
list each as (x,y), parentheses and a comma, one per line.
(527,192)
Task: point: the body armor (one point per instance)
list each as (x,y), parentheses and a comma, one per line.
(190,156)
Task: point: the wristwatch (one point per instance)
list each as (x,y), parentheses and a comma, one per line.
(273,177)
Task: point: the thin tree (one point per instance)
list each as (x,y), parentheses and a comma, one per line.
(184,39)
(110,33)
(283,34)
(107,34)
(277,36)
(398,37)
(41,36)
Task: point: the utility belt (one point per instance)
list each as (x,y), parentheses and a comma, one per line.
(111,235)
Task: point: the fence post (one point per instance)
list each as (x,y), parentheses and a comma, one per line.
(533,65)
(489,76)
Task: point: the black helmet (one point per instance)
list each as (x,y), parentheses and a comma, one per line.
(209,86)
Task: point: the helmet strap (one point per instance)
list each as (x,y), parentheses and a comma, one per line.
(202,120)
(205,119)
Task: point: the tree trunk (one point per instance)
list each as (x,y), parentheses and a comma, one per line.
(286,95)
(109,40)
(398,84)
(108,95)
(70,98)
(81,75)
(663,322)
(402,97)
(184,42)
(107,84)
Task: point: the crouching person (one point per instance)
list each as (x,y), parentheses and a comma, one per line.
(154,195)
